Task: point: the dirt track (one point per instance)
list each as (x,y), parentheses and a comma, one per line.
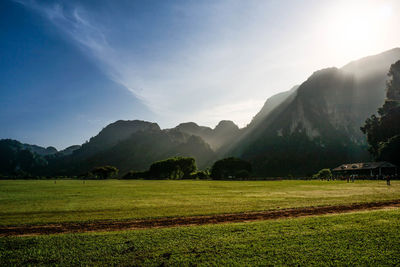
(185,221)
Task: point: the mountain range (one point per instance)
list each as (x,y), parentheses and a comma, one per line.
(311,126)
(317,124)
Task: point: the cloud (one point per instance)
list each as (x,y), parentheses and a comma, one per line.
(75,25)
(205,60)
(191,79)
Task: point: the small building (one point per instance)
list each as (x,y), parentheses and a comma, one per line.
(367,169)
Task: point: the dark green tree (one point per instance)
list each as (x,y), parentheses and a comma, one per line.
(231,168)
(105,172)
(383,131)
(323,174)
(390,150)
(172,168)
(201,175)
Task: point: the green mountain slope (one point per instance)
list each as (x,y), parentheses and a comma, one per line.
(134,152)
(319,125)
(224,133)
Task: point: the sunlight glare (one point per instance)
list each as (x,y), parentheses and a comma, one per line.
(353,29)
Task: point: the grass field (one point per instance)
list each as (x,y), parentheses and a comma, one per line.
(365,238)
(38,202)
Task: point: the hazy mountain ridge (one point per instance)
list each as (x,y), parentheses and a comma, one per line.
(225,132)
(17,158)
(112,134)
(49,151)
(69,150)
(321,121)
(313,125)
(269,105)
(138,151)
(43,151)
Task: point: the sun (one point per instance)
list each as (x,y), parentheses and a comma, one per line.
(353,28)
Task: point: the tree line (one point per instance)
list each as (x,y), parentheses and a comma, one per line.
(383,130)
(185,168)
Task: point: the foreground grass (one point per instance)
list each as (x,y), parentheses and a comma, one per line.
(365,238)
(38,202)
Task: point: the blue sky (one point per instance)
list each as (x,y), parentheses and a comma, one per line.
(68,68)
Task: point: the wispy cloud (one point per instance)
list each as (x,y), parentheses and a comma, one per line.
(193,79)
(212,61)
(74,24)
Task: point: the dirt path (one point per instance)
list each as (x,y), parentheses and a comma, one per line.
(185,221)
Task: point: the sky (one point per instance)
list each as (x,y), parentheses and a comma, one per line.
(69,68)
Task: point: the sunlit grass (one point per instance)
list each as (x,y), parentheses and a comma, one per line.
(356,239)
(27,202)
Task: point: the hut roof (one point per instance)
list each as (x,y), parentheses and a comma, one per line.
(364,166)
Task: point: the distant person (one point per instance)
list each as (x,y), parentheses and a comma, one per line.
(352,178)
(388,179)
(348,179)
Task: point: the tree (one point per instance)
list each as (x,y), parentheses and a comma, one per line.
(244,174)
(105,172)
(230,168)
(201,175)
(389,150)
(323,174)
(383,130)
(172,168)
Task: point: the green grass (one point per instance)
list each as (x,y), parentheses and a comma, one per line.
(364,239)
(37,202)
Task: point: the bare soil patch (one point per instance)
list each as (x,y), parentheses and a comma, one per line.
(186,221)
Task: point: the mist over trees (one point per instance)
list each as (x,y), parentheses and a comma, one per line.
(383,131)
